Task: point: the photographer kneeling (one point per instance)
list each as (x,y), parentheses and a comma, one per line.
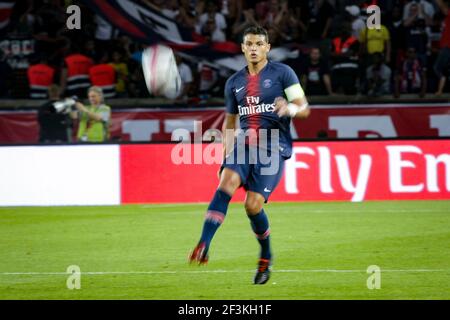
(94,120)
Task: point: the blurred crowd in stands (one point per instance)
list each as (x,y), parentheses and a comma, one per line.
(338,54)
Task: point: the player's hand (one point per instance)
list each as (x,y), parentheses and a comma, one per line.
(281,107)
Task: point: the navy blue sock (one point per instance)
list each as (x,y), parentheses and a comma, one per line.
(260,225)
(215,215)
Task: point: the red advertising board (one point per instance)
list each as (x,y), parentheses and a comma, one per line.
(334,121)
(384,120)
(343,171)
(19,127)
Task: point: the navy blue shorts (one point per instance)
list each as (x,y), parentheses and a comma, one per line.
(260,171)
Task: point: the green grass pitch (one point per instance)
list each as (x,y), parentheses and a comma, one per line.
(321,251)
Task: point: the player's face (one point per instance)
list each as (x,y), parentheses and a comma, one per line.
(255,48)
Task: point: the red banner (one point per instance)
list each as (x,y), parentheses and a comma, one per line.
(409,120)
(345,171)
(158,125)
(19,127)
(342,121)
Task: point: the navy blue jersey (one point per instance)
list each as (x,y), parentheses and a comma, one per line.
(252,97)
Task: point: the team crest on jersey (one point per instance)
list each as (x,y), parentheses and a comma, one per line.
(267,83)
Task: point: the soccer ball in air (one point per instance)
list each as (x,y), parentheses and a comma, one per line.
(161,72)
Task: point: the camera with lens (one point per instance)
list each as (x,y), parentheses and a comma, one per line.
(66,106)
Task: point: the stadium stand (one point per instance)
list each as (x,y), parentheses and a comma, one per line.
(338,60)
(300,25)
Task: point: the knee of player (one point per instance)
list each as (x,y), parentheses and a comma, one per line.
(228,186)
(253,206)
(229,183)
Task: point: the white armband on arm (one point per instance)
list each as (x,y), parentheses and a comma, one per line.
(292,93)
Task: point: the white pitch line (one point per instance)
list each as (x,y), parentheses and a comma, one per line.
(218,271)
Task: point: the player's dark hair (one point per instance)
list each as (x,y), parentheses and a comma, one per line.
(256,30)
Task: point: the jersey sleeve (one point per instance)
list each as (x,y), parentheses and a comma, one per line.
(291,85)
(230,99)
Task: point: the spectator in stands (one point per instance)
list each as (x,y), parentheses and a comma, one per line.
(53,15)
(186,15)
(397,34)
(231,10)
(208,79)
(443,58)
(246,20)
(358,24)
(415,10)
(425,10)
(267,11)
(415,33)
(29,22)
(94,119)
(275,36)
(315,75)
(286,23)
(50,23)
(122,73)
(186,78)
(91,51)
(40,77)
(211,13)
(212,33)
(321,14)
(378,77)
(75,73)
(105,33)
(374,41)
(434,34)
(411,76)
(345,61)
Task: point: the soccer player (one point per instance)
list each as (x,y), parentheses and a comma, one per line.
(265,95)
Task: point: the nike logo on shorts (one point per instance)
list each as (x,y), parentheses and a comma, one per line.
(267,190)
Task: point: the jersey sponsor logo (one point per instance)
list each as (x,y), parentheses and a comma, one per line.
(240,89)
(253,106)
